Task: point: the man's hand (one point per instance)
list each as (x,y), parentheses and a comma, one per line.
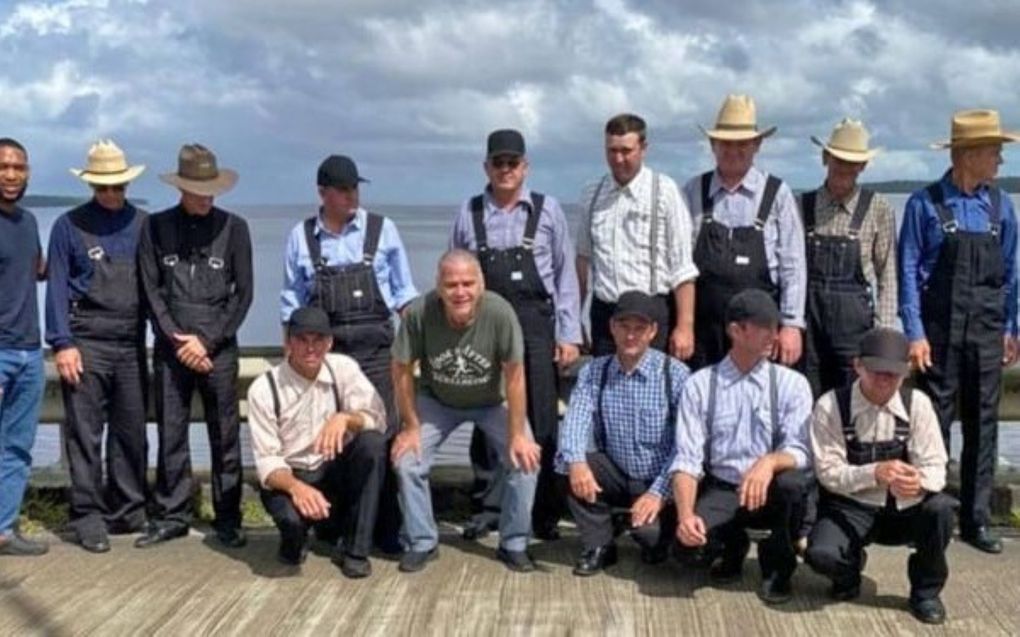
(754,488)
(192,353)
(408,440)
(681,342)
(645,509)
(906,486)
(788,345)
(565,354)
(330,441)
(582,482)
(888,471)
(309,501)
(691,531)
(920,355)
(69,365)
(1009,350)
(524,453)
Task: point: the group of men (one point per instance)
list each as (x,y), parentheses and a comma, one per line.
(774,302)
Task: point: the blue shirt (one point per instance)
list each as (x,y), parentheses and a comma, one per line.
(742,425)
(636,432)
(554,253)
(392,270)
(20,253)
(921,239)
(69,270)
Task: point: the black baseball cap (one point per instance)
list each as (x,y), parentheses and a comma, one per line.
(506,141)
(307,320)
(754,306)
(635,303)
(339,171)
(883,349)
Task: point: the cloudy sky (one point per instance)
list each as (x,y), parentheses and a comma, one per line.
(410,88)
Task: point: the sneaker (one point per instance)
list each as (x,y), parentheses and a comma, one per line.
(16,544)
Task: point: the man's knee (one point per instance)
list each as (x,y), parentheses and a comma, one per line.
(371,446)
(410,467)
(826,559)
(790,485)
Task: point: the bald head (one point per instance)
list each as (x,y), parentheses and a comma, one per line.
(457,258)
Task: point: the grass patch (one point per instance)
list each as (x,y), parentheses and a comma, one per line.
(43,510)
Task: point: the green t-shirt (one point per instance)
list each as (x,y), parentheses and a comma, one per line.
(461,368)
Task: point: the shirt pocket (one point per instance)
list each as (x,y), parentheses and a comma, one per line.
(652,430)
(637,228)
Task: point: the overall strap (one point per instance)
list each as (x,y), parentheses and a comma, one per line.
(767,199)
(667,380)
(531,227)
(654,239)
(276,395)
(995,214)
(774,404)
(336,392)
(220,243)
(312,241)
(600,424)
(478,221)
(807,207)
(706,197)
(373,231)
(713,383)
(843,404)
(945,215)
(903,426)
(861,211)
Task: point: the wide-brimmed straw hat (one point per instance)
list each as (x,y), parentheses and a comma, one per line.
(737,121)
(849,142)
(198,173)
(106,166)
(976,127)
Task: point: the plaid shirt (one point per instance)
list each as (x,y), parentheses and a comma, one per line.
(635,430)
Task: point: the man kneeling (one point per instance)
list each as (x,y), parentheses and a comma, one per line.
(627,403)
(881,465)
(317,436)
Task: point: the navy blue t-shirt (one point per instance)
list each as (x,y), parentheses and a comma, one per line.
(19,257)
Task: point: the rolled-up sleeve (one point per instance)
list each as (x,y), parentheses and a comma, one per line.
(680,258)
(794,422)
(266,446)
(690,428)
(791,259)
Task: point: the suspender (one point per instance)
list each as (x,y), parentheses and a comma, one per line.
(276,392)
(902,430)
(667,381)
(808,203)
(713,383)
(768,198)
(530,227)
(373,232)
(653,248)
(948,221)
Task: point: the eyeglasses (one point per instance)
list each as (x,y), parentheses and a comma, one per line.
(499,163)
(110,188)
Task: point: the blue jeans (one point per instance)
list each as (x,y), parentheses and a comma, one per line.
(21,387)
(437,422)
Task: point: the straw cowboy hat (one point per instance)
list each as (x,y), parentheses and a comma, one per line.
(106,166)
(737,121)
(849,142)
(198,173)
(976,127)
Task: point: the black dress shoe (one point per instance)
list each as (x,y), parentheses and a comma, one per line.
(352,566)
(983,539)
(232,538)
(727,570)
(95,543)
(413,561)
(290,555)
(928,611)
(17,545)
(592,561)
(158,533)
(516,561)
(775,589)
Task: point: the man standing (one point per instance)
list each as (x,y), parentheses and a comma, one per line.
(958,302)
(469,346)
(742,443)
(627,404)
(881,463)
(522,240)
(21,361)
(318,437)
(196,269)
(352,264)
(95,324)
(850,237)
(635,234)
(748,235)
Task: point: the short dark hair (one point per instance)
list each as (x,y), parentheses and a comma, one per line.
(626,123)
(7,142)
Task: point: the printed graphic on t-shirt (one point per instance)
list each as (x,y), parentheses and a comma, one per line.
(461,366)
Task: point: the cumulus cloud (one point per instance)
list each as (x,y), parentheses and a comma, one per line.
(410,89)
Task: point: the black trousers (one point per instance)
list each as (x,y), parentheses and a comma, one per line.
(602,339)
(726,521)
(542,387)
(112,392)
(595,520)
(175,385)
(845,527)
(351,483)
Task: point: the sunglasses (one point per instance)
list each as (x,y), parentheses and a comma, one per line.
(500,163)
(108,188)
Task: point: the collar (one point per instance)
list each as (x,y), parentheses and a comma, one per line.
(647,367)
(634,185)
(860,404)
(290,375)
(950,190)
(826,200)
(753,181)
(523,200)
(730,375)
(355,224)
